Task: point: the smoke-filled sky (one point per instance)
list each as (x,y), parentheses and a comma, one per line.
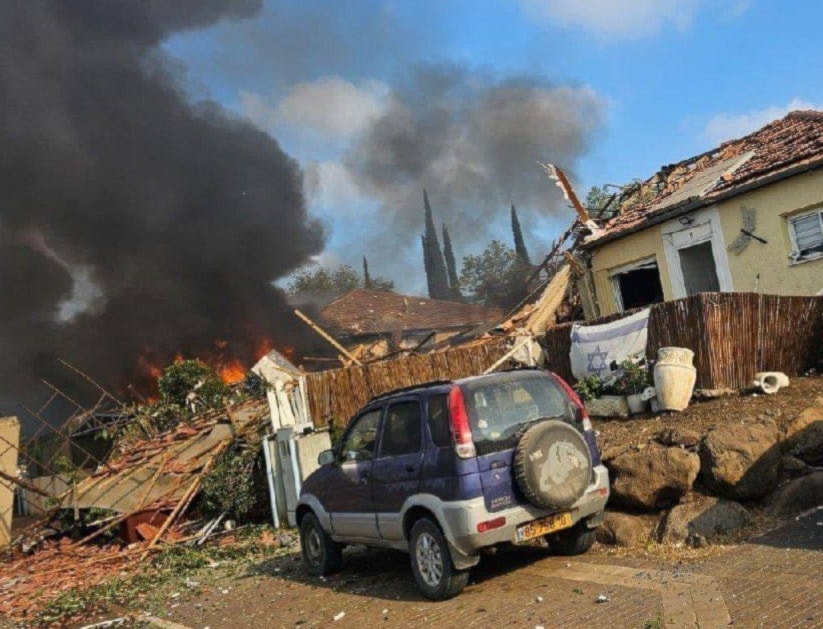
(133,222)
(378,99)
(163,161)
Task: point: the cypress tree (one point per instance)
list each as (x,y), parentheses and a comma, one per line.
(427,263)
(433,256)
(366,277)
(519,243)
(451,266)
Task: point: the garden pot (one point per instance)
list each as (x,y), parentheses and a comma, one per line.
(636,403)
(674,377)
(607,406)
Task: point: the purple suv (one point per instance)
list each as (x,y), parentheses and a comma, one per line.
(446,469)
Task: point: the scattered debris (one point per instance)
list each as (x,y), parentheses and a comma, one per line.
(770,382)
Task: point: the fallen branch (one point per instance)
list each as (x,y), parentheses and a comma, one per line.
(327,336)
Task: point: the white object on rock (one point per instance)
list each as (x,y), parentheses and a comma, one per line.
(770,382)
(601,598)
(339,616)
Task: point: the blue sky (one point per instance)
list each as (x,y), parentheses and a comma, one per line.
(642,83)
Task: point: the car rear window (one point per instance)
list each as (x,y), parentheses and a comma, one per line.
(499,406)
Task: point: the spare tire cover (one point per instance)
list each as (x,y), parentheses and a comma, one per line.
(552,464)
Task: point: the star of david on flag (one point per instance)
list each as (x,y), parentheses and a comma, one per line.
(595,347)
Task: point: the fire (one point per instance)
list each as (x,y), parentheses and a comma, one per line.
(231,372)
(148,368)
(262,347)
(230,361)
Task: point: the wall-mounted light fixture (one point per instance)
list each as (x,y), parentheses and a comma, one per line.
(685,220)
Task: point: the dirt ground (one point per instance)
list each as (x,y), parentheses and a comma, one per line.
(700,416)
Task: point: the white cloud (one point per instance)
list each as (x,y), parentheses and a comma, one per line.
(724,127)
(626,19)
(330,107)
(329,185)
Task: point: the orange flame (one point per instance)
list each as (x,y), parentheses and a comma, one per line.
(231,372)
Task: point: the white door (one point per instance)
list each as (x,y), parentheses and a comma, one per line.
(696,254)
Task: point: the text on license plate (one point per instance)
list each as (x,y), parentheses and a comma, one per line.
(543,526)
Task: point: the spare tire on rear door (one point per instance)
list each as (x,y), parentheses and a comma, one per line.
(552,464)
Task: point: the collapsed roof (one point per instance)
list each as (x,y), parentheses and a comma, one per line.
(361,312)
(782,148)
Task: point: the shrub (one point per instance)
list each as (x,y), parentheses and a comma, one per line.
(589,388)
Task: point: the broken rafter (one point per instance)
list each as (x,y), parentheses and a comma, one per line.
(143,498)
(562,182)
(328,337)
(21,483)
(184,502)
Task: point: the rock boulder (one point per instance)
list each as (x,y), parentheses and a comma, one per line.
(803,437)
(623,529)
(703,520)
(653,477)
(799,495)
(741,461)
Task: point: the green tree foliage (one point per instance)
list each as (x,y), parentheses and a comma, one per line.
(519,242)
(324,282)
(451,266)
(599,198)
(181,378)
(236,484)
(494,277)
(436,276)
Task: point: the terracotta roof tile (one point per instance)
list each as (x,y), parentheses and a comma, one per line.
(370,312)
(790,141)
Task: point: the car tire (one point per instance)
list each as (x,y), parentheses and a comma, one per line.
(436,577)
(552,464)
(321,554)
(574,541)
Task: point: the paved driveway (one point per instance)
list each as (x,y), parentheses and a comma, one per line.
(773,581)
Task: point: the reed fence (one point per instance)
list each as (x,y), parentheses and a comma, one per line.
(733,336)
(335,395)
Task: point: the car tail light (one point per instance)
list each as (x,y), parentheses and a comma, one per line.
(581,415)
(461,430)
(488,525)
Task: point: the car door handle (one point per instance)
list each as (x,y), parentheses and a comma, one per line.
(410,469)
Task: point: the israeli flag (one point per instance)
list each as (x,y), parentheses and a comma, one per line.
(596,347)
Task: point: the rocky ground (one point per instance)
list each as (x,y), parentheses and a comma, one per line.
(720,471)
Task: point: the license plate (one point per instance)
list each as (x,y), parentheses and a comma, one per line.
(543,526)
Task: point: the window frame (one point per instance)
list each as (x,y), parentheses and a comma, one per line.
(341,455)
(380,454)
(795,256)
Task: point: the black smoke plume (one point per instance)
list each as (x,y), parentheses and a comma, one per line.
(133,222)
(474,141)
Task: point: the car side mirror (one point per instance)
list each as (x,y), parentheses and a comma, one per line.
(325,457)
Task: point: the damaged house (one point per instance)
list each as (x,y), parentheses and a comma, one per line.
(746,216)
(373,324)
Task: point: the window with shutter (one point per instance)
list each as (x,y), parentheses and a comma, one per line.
(807,235)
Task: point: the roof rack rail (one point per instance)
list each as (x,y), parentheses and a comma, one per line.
(413,387)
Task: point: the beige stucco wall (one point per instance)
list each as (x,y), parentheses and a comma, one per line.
(632,248)
(9,443)
(778,276)
(773,204)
